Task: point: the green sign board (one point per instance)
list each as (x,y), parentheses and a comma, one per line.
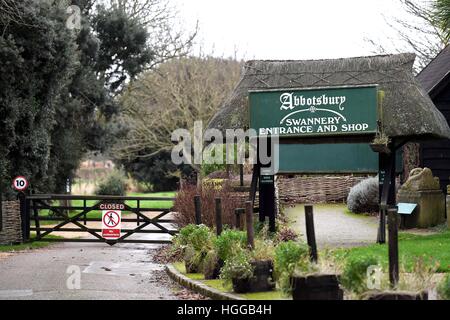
(328,158)
(314,112)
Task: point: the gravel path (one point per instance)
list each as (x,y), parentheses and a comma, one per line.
(335,228)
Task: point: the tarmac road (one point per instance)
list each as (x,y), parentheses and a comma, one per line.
(124,271)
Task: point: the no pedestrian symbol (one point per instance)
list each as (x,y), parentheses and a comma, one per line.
(111,221)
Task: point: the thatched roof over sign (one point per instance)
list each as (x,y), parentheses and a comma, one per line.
(408,111)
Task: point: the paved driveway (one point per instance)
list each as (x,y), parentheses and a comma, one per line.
(121,272)
(334,227)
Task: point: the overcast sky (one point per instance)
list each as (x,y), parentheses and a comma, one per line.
(290,29)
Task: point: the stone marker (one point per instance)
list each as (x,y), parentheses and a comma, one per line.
(424,190)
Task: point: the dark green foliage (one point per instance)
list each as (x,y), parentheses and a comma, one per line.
(54,101)
(123,51)
(354,277)
(158,173)
(115,184)
(38,57)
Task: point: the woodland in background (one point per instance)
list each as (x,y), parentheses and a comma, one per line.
(60,84)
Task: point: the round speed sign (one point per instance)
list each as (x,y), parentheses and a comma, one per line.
(20,183)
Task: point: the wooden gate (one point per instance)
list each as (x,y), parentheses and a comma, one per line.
(47,216)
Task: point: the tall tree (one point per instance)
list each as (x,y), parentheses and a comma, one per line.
(442,13)
(418,31)
(173,96)
(59,84)
(38,57)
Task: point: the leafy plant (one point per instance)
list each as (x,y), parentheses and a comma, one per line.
(444,288)
(230,242)
(195,242)
(182,238)
(210,263)
(115,184)
(290,257)
(354,276)
(264,250)
(201,238)
(237,267)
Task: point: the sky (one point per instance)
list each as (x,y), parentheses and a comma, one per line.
(289,29)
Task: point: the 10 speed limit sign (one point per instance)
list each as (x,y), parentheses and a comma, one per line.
(20,183)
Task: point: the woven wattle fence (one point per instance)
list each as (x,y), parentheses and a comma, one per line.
(316,189)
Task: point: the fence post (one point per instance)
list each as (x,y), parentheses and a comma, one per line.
(238,212)
(241,175)
(198,210)
(393,246)
(310,233)
(219,216)
(1,207)
(25,216)
(249,224)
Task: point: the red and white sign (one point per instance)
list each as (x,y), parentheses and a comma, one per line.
(111,224)
(20,183)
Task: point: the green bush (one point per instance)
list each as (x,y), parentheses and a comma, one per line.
(196,243)
(229,242)
(290,257)
(201,238)
(237,267)
(182,238)
(264,250)
(444,288)
(115,184)
(354,276)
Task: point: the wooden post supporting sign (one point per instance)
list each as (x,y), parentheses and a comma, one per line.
(393,246)
(387,190)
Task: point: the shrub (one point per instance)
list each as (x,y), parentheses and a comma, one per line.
(363,197)
(230,242)
(264,250)
(182,238)
(237,267)
(444,288)
(195,242)
(184,205)
(290,257)
(115,184)
(287,234)
(354,276)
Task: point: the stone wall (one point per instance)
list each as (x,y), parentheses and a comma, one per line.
(12,230)
(315,189)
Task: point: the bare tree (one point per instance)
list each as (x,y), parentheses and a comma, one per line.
(419,32)
(173,96)
(11,12)
(168,40)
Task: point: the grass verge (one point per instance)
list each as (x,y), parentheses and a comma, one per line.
(219,285)
(432,248)
(27,246)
